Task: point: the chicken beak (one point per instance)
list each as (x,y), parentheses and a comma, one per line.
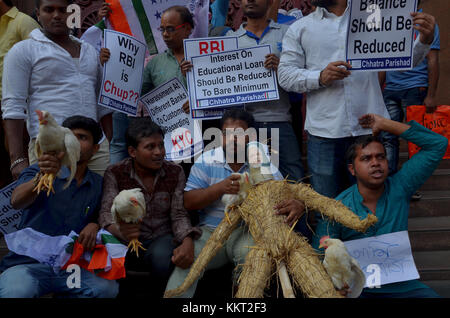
(40,115)
(134,201)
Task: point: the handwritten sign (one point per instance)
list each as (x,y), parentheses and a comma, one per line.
(232,77)
(380,35)
(202,46)
(9,218)
(122,74)
(390,254)
(183,138)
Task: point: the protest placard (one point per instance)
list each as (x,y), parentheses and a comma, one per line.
(390,254)
(9,218)
(183,138)
(122,74)
(201,46)
(233,77)
(380,35)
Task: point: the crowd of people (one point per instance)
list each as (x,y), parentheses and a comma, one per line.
(45,67)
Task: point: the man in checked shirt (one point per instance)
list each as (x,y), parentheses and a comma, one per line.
(165,231)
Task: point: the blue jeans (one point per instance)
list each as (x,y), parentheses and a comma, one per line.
(290,158)
(118,146)
(36,280)
(396,103)
(328,165)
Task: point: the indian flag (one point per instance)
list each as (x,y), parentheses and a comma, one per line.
(107,260)
(141,19)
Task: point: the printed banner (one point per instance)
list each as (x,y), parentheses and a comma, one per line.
(9,218)
(182,135)
(196,47)
(384,259)
(380,35)
(232,78)
(122,74)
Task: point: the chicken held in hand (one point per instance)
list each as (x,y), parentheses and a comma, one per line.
(343,269)
(129,207)
(54,139)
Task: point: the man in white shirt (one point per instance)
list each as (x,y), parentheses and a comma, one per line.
(51,71)
(313,62)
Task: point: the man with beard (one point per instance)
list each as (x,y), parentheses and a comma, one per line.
(211,177)
(259,30)
(386,197)
(313,62)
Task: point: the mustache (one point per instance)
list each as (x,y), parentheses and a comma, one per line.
(323,3)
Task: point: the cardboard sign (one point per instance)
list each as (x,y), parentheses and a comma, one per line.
(9,218)
(384,259)
(380,35)
(202,46)
(122,74)
(232,78)
(183,137)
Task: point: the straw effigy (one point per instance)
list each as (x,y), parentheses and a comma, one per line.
(275,242)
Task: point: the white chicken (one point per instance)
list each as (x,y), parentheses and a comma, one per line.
(231,200)
(129,207)
(342,268)
(53,139)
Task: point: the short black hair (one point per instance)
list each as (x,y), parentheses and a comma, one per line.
(8,3)
(237,114)
(141,127)
(362,142)
(38,3)
(185,15)
(88,124)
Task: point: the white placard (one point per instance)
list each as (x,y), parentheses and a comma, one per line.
(232,77)
(122,74)
(196,47)
(380,35)
(183,137)
(9,218)
(388,254)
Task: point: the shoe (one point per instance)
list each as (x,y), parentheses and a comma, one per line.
(416,196)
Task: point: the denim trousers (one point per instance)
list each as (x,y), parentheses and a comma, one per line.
(35,280)
(396,103)
(290,158)
(118,146)
(327,164)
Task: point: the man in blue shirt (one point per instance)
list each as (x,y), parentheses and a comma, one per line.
(386,197)
(72,209)
(414,87)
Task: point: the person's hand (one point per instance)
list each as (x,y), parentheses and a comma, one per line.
(372,121)
(18,168)
(430,104)
(105,54)
(130,231)
(333,72)
(344,291)
(185,67)
(88,236)
(186,108)
(271,62)
(50,163)
(292,209)
(183,255)
(104,10)
(230,185)
(425,24)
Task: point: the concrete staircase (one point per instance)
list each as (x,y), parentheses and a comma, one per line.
(429,228)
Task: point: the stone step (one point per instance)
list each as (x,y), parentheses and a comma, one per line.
(429,233)
(440,180)
(441,287)
(432,203)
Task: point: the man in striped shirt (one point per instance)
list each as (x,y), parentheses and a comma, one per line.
(210,178)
